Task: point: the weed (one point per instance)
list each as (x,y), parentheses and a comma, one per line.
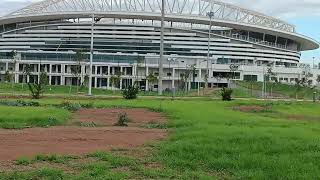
(123,119)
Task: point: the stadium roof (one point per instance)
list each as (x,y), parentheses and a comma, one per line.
(178,10)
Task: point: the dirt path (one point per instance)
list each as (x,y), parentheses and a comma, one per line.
(75,140)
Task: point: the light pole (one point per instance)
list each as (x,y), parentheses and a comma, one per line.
(313,62)
(172,78)
(161,49)
(210,15)
(91,57)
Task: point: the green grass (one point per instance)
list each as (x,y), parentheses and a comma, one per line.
(209,140)
(23,117)
(282,89)
(18,89)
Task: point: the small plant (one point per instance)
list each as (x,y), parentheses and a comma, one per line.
(70,106)
(23,161)
(131,92)
(123,119)
(226,94)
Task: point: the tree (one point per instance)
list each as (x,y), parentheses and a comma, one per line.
(152,79)
(270,76)
(7,77)
(37,88)
(115,81)
(130,92)
(318,79)
(76,69)
(302,83)
(233,69)
(26,73)
(193,70)
(140,60)
(13,54)
(185,77)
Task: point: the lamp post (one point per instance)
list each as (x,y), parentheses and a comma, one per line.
(170,59)
(210,15)
(91,57)
(161,49)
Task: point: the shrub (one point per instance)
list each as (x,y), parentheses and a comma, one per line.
(131,92)
(226,94)
(19,103)
(123,119)
(70,106)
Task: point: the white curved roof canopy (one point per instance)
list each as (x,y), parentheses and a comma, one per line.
(180,10)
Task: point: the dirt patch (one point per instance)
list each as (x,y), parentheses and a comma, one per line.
(251,108)
(108,117)
(72,140)
(75,140)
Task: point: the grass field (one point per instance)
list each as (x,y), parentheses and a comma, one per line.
(18,89)
(208,139)
(23,117)
(280,89)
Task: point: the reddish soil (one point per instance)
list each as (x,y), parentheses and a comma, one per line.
(108,117)
(75,140)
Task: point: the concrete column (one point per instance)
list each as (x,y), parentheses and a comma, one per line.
(96,70)
(108,83)
(173,78)
(62,80)
(7,66)
(95,82)
(109,70)
(147,82)
(120,84)
(83,73)
(200,75)
(50,78)
(16,75)
(50,68)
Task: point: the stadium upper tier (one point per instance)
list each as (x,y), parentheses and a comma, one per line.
(228,21)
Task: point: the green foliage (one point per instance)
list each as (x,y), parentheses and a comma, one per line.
(19,103)
(131,92)
(152,79)
(23,161)
(70,106)
(123,119)
(8,76)
(38,88)
(226,94)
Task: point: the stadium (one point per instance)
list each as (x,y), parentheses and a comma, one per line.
(123,37)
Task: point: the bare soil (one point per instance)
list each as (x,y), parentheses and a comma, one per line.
(75,140)
(108,117)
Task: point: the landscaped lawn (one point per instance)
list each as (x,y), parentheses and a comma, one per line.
(208,140)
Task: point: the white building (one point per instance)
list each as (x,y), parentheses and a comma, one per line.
(126,40)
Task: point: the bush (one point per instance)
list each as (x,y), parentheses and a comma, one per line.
(70,106)
(131,92)
(226,94)
(123,119)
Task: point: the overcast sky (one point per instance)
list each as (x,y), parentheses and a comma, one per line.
(305,14)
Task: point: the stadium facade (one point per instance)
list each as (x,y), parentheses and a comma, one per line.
(205,35)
